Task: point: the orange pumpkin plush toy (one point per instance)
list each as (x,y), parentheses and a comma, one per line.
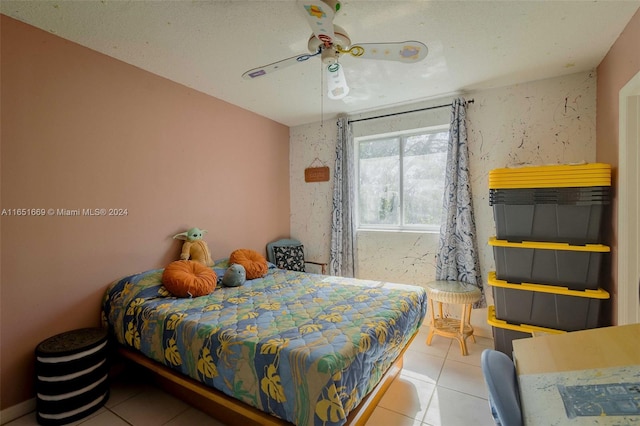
(254,263)
(186,278)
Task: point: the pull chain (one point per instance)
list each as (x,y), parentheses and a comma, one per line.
(321,97)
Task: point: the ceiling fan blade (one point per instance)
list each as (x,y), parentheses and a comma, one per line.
(404,51)
(320,17)
(268,69)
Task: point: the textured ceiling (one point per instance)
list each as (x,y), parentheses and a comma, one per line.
(208,45)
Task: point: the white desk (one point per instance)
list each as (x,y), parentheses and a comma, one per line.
(603,356)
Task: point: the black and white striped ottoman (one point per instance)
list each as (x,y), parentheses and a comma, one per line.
(72,375)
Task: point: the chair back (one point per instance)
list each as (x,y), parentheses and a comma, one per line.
(504,397)
(285,242)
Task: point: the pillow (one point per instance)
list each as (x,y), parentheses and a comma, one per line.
(188,278)
(254,263)
(289,257)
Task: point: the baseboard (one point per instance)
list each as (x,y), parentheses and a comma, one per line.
(9,414)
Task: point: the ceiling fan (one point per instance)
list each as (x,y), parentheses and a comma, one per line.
(329,41)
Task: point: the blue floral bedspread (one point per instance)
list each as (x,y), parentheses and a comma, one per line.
(303,347)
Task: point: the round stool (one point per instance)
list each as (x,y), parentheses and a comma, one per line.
(72,376)
(453,292)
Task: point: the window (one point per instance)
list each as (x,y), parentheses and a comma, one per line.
(401,179)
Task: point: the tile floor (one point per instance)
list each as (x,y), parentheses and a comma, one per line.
(437,387)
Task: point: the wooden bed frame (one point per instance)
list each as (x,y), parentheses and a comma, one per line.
(232,411)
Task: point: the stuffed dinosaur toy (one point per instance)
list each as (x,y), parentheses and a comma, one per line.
(194,247)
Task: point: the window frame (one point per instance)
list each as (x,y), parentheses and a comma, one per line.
(402,135)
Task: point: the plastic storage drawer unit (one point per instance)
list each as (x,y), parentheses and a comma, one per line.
(574,267)
(504,333)
(503,339)
(579,175)
(545,305)
(555,195)
(568,215)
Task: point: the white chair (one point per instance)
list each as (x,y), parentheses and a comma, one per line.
(504,397)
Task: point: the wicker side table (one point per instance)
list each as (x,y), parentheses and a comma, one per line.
(72,375)
(452,292)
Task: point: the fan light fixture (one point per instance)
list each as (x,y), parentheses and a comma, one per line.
(336,83)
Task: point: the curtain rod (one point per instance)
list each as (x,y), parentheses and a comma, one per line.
(406,112)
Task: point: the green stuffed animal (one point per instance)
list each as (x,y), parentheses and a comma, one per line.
(234,276)
(194,247)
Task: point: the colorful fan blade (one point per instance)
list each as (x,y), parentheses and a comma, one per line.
(320,17)
(405,51)
(267,69)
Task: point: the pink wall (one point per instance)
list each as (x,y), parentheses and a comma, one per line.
(81,130)
(616,69)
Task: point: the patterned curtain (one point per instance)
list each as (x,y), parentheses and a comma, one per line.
(342,258)
(457,257)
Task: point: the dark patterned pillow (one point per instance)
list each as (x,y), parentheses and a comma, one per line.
(289,257)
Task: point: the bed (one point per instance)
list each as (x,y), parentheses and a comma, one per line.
(305,349)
